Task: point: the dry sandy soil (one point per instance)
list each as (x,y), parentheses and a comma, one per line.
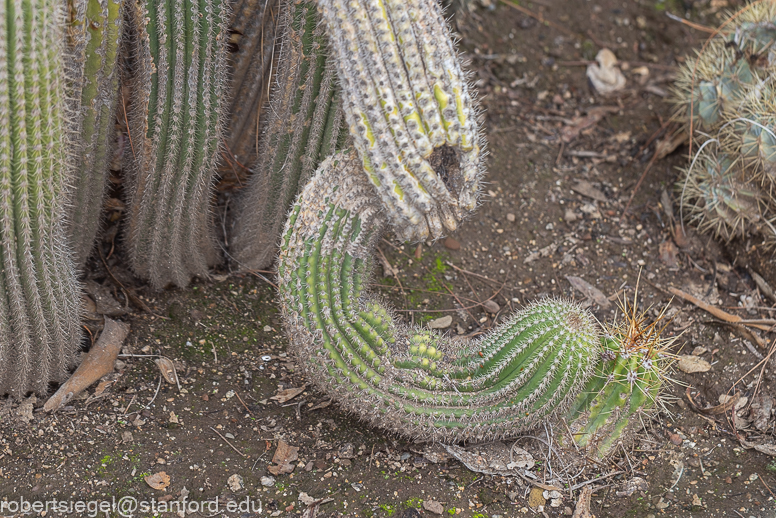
(564,163)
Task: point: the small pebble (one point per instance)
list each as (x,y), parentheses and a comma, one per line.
(267,481)
(452,244)
(510,217)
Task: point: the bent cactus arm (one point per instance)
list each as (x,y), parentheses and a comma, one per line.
(405,379)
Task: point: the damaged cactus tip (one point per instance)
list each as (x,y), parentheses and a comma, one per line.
(409,109)
(402,378)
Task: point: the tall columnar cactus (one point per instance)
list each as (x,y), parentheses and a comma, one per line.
(405,379)
(178,85)
(39,296)
(95,36)
(303,126)
(255,25)
(409,110)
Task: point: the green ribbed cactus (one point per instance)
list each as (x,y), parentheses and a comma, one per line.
(303,126)
(95,36)
(409,109)
(178,88)
(404,379)
(39,296)
(626,383)
(254,28)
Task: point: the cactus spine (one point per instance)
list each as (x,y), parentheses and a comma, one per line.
(95,40)
(175,125)
(303,127)
(254,28)
(409,110)
(404,379)
(39,296)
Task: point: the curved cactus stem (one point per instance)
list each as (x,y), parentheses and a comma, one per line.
(405,379)
(409,109)
(303,126)
(254,28)
(175,125)
(96,32)
(39,295)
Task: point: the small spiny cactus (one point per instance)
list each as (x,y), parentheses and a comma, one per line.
(405,379)
(626,383)
(409,109)
(95,36)
(39,295)
(304,125)
(178,88)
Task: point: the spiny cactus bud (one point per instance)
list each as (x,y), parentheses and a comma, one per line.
(404,379)
(627,381)
(409,110)
(95,39)
(717,197)
(303,125)
(174,125)
(711,84)
(254,26)
(39,295)
(753,32)
(752,134)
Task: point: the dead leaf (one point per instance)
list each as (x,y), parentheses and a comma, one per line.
(167,368)
(692,364)
(766,448)
(97,363)
(589,291)
(604,75)
(158,481)
(536,498)
(322,404)
(284,457)
(667,145)
(579,124)
(668,252)
(284,395)
(585,188)
(715,410)
(494,458)
(762,407)
(633,485)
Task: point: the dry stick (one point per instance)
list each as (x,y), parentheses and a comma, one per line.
(243,403)
(693,25)
(638,184)
(227,442)
(418,290)
(723,315)
(134,298)
(459,302)
(592,480)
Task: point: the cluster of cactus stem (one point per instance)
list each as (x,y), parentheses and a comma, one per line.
(427,386)
(726,97)
(383,72)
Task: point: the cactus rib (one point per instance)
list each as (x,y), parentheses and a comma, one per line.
(39,296)
(304,125)
(175,123)
(96,39)
(254,31)
(404,379)
(409,110)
